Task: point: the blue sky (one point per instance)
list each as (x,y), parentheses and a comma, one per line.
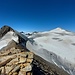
(37,15)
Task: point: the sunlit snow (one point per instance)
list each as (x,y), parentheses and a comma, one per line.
(56,46)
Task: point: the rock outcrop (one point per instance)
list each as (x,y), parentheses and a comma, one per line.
(16,62)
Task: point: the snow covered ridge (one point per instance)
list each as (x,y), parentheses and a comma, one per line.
(56,46)
(7,34)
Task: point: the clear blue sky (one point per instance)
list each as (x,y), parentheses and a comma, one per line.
(37,15)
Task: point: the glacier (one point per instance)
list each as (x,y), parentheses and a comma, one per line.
(56,46)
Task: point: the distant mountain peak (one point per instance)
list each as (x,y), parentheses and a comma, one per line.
(58,29)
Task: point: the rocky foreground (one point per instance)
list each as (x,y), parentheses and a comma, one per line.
(16,62)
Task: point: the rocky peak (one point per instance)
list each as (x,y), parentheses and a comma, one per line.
(4,30)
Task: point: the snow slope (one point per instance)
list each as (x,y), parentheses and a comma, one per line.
(9,36)
(56,46)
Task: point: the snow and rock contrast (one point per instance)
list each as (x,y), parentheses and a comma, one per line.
(7,34)
(56,46)
(14,57)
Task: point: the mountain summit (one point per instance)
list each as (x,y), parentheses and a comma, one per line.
(59,30)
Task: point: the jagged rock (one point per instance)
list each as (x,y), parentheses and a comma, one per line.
(15,73)
(3,63)
(8,69)
(23,54)
(24,65)
(22,59)
(22,73)
(30,55)
(6,53)
(27,68)
(16,68)
(14,61)
(29,60)
(2,70)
